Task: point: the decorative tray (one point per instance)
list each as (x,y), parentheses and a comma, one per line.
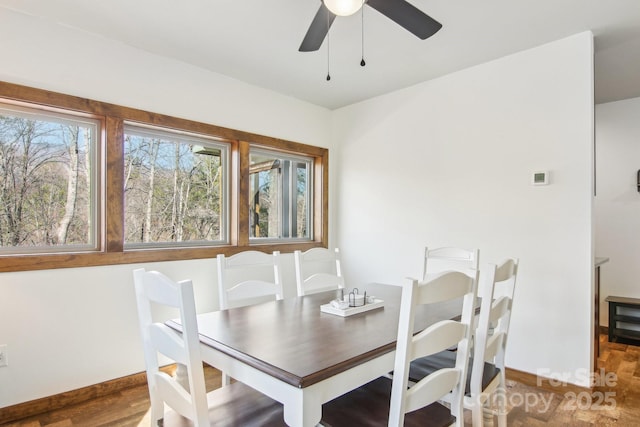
(349,311)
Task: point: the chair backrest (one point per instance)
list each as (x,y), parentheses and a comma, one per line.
(318,270)
(247,277)
(153,288)
(497,290)
(450,258)
(445,286)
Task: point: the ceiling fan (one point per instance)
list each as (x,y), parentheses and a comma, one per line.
(401,12)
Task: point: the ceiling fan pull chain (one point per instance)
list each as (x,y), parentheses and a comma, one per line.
(362,63)
(328,47)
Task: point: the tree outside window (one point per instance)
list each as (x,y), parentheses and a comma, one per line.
(174,188)
(48,176)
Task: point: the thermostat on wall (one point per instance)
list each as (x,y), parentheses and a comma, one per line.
(540,178)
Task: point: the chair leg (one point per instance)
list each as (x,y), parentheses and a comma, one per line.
(156,411)
(479,406)
(476,414)
(156,414)
(502,404)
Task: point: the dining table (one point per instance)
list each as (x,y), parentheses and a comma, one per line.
(303,357)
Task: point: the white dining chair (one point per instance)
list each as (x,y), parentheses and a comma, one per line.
(486,377)
(447,258)
(391,402)
(233,405)
(436,260)
(318,270)
(249,277)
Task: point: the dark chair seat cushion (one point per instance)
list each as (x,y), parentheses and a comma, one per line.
(236,405)
(368,406)
(424,366)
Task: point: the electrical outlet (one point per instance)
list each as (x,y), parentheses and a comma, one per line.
(4,359)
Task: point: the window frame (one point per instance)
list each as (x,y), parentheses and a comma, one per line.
(283,193)
(110,235)
(172,135)
(29,111)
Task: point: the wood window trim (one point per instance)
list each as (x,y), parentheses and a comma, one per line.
(112,250)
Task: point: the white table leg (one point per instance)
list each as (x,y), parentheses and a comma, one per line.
(303,410)
(182,376)
(488,415)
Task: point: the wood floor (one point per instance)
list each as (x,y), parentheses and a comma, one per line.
(615,399)
(607,405)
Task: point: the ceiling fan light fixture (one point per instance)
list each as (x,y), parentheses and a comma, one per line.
(343,7)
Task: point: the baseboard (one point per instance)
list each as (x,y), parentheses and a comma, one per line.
(547,384)
(58,401)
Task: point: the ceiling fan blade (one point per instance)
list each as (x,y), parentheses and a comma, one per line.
(407,16)
(317,30)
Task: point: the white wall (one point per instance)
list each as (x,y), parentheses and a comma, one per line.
(70,328)
(617,201)
(449,162)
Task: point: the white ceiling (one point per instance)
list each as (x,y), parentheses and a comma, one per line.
(257,41)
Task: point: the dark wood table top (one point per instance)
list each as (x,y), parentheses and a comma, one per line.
(294,341)
(623,300)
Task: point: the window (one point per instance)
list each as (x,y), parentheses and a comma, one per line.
(280,195)
(48,181)
(174,188)
(86,183)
